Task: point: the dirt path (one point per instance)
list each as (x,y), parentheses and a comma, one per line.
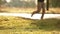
(36,16)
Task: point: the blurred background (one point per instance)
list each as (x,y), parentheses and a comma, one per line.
(20,25)
(27,6)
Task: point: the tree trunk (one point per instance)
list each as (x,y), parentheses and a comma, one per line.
(47,7)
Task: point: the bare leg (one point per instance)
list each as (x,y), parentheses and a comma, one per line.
(43,10)
(38,9)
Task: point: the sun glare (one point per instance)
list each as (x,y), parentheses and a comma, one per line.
(8,0)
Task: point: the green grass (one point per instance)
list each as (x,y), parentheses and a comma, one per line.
(18,25)
(48,24)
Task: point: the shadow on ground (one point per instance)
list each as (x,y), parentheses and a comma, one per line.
(29,25)
(5,28)
(4,12)
(48,24)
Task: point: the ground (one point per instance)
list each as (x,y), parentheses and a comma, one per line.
(19,25)
(27,10)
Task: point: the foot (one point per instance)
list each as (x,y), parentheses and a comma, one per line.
(34,13)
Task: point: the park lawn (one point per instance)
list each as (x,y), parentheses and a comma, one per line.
(19,25)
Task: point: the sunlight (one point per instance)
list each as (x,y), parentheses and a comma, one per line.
(8,1)
(36,16)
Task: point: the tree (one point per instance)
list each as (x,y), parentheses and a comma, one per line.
(55,3)
(1,3)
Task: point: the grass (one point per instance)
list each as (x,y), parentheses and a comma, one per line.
(48,24)
(18,25)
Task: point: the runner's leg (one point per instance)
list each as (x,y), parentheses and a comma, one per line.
(38,9)
(43,10)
